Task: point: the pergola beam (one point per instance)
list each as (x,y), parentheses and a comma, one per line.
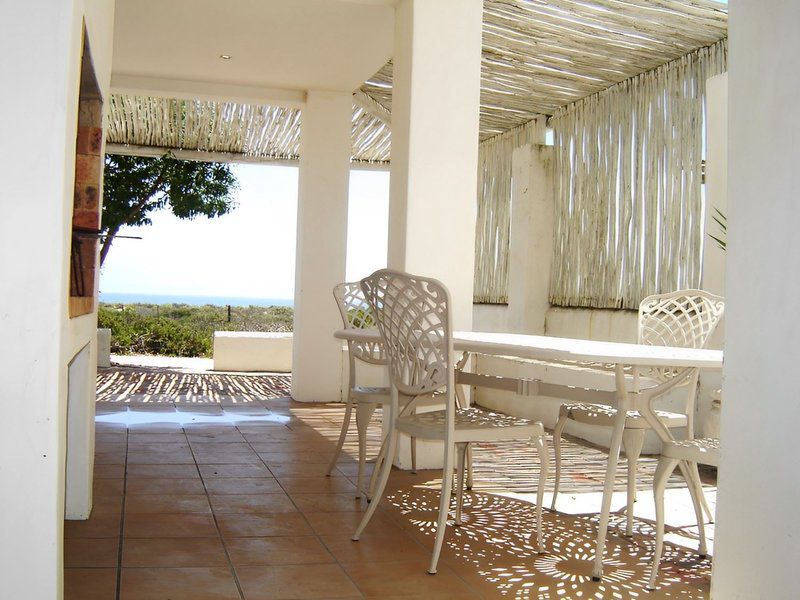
(227,157)
(159,87)
(373,107)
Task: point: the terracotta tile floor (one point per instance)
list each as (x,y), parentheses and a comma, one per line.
(215,503)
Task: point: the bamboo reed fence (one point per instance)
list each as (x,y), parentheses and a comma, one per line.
(628,206)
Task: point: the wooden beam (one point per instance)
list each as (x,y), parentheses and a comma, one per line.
(372,106)
(133,85)
(227,157)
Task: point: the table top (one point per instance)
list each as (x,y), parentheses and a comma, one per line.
(544,347)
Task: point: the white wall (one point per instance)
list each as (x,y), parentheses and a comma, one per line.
(253,351)
(593,324)
(757,541)
(40,61)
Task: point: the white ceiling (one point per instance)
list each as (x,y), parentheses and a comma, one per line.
(284,44)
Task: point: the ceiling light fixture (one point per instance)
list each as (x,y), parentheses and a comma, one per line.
(225,56)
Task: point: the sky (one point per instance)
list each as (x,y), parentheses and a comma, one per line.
(249,252)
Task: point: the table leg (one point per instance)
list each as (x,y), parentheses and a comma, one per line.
(464,402)
(461,397)
(608,488)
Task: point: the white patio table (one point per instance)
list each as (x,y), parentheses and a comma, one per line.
(627,396)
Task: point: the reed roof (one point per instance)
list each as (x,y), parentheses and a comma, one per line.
(538,56)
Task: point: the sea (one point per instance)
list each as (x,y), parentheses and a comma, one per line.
(132,298)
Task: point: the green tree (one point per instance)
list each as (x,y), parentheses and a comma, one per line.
(134,186)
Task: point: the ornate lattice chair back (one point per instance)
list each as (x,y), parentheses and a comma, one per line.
(682,319)
(412,314)
(357,314)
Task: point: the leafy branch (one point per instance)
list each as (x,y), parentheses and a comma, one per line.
(722,222)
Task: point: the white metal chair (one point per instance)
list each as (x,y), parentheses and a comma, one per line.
(683,319)
(356,314)
(413,316)
(704,451)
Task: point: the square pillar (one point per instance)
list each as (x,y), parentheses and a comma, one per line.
(531,243)
(435,110)
(757,537)
(434,172)
(708,407)
(325,150)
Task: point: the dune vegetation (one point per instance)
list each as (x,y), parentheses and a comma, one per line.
(183,329)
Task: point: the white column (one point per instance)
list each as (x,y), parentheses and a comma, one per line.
(757,541)
(708,415)
(435,107)
(434,173)
(325,150)
(531,243)
(716,181)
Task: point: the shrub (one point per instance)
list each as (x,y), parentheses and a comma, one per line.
(183,330)
(134,333)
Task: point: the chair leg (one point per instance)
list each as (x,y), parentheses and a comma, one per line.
(665,468)
(348,411)
(386,469)
(703,500)
(696,490)
(544,466)
(413,456)
(364,412)
(562,422)
(469,467)
(373,480)
(444,504)
(633,440)
(461,449)
(608,489)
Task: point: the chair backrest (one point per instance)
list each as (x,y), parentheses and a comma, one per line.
(682,319)
(357,314)
(413,316)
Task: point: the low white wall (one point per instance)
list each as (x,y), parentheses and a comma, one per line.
(252,351)
(592,324)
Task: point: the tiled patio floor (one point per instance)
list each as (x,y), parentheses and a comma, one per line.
(218,498)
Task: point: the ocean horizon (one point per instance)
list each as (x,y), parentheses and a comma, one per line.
(135,298)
